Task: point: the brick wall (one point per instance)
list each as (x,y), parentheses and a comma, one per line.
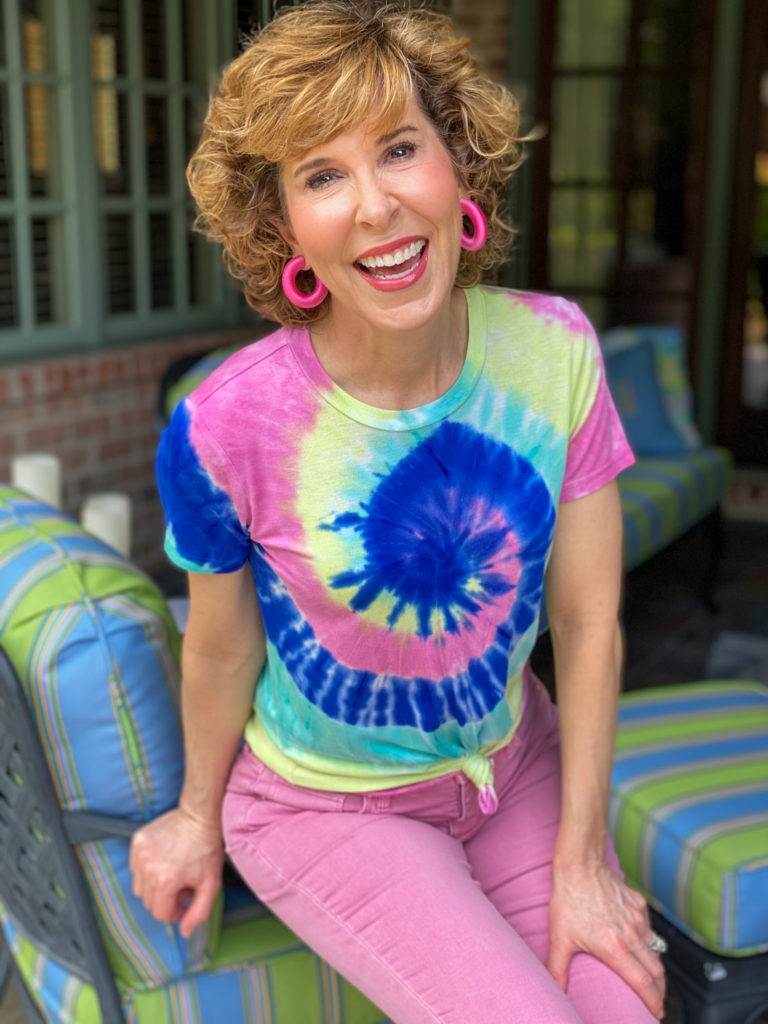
(97,412)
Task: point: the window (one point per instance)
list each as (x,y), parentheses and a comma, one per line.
(622,192)
(100,106)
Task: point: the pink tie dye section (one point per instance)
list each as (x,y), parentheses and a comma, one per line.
(552,308)
(267,449)
(599,450)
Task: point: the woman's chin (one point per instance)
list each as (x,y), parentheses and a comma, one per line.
(406,309)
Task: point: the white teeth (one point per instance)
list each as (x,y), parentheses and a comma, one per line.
(392,259)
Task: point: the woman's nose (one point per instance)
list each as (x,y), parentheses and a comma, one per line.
(375,204)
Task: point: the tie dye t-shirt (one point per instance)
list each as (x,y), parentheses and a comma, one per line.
(398,556)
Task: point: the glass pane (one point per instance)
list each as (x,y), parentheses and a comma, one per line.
(2,37)
(591,33)
(36,43)
(201,269)
(156,136)
(660,128)
(110,133)
(47,268)
(160,262)
(641,227)
(194,57)
(118,245)
(153,37)
(42,151)
(584,126)
(582,237)
(9,316)
(107,39)
(754,373)
(662,25)
(5,162)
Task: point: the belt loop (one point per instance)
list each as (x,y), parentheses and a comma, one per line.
(353,802)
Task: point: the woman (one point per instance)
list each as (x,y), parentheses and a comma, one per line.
(367,501)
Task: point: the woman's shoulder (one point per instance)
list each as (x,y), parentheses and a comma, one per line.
(244,370)
(538,311)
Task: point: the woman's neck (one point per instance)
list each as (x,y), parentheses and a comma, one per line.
(401,370)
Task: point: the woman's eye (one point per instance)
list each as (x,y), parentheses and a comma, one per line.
(402,150)
(320,180)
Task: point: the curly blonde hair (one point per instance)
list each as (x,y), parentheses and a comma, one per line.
(320,69)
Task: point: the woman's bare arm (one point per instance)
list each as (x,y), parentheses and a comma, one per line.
(591,909)
(178,858)
(583,595)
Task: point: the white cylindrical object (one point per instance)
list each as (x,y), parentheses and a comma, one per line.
(39,474)
(107,515)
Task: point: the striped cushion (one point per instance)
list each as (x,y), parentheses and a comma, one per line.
(661,498)
(689,808)
(261,975)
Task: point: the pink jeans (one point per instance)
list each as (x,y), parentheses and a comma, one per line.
(435,911)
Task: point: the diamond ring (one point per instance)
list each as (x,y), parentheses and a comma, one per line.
(657,944)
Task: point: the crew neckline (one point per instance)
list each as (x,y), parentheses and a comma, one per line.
(402,419)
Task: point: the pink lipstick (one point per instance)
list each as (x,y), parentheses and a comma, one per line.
(389,278)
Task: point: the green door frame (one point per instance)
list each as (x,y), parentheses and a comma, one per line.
(718,200)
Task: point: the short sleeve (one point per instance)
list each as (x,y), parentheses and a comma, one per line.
(195,482)
(598,449)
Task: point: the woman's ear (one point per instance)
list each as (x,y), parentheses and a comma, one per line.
(282,221)
(284,229)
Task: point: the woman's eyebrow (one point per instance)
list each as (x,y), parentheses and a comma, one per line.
(393,135)
(381,141)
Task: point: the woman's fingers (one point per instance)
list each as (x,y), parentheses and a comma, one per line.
(637,975)
(596,913)
(651,963)
(559,959)
(200,907)
(175,868)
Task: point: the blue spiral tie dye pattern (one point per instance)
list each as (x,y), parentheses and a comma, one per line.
(423,545)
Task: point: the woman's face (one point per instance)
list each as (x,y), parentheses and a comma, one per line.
(364,199)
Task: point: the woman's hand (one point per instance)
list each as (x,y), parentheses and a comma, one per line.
(176,862)
(594,912)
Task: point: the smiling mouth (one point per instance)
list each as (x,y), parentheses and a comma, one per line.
(393,266)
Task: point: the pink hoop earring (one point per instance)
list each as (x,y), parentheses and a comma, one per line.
(479,236)
(301,299)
